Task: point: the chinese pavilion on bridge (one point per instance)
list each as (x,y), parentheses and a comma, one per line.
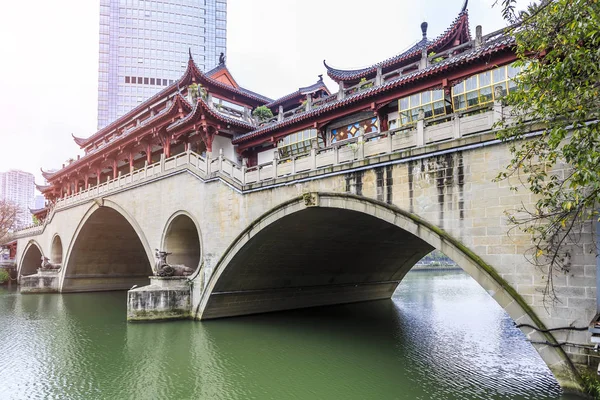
(211,113)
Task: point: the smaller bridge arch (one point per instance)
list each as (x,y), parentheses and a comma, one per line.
(56,251)
(182,238)
(31,259)
(109,251)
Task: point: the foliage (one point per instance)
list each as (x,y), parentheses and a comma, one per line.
(364,84)
(197,90)
(4,276)
(8,217)
(35,220)
(591,384)
(263,113)
(558,44)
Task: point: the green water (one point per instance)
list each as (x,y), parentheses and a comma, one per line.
(440,337)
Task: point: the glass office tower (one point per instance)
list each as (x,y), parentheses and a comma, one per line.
(144,47)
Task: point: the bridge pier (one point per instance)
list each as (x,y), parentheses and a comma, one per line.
(43,282)
(166,298)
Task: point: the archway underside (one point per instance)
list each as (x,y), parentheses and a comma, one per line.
(107,255)
(315,257)
(32,260)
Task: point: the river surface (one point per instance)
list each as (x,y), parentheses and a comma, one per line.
(440,337)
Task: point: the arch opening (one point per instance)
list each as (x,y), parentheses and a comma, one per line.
(56,253)
(32,260)
(183,241)
(317,256)
(107,254)
(364,248)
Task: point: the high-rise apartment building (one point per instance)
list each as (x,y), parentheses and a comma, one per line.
(18,187)
(144,47)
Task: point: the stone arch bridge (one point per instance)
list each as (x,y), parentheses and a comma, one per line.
(341,224)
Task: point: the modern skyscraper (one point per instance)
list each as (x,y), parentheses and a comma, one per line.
(18,187)
(144,47)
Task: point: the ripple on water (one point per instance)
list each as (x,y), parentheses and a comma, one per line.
(441,337)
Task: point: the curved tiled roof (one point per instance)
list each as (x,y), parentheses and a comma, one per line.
(202,107)
(300,92)
(489,48)
(459,26)
(178,101)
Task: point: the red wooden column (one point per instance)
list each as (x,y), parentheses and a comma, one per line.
(167,147)
(114,168)
(130,161)
(98,173)
(149,153)
(87,179)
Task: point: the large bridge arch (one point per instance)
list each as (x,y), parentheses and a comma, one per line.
(109,251)
(364,249)
(31,259)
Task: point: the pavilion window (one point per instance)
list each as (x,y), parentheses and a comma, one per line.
(479,90)
(431,101)
(353,130)
(298,143)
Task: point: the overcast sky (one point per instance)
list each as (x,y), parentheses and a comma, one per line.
(49,58)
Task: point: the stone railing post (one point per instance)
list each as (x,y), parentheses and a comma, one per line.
(208,164)
(162,162)
(145,169)
(308,102)
(336,155)
(293,158)
(360,151)
(119,179)
(220,164)
(456,133)
(340,94)
(188,155)
(423,61)
(390,144)
(497,108)
(313,158)
(280,114)
(421,128)
(378,77)
(478,36)
(275,162)
(243,174)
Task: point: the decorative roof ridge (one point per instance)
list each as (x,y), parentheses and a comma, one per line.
(178,99)
(470,55)
(38,210)
(200,105)
(414,50)
(47,175)
(117,122)
(303,90)
(79,141)
(244,92)
(42,188)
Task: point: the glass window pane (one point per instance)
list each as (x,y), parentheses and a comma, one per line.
(485,79)
(472,99)
(425,97)
(485,95)
(471,83)
(438,95)
(499,74)
(438,108)
(415,100)
(404,103)
(459,88)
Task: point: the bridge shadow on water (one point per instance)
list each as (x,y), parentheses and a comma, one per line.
(440,337)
